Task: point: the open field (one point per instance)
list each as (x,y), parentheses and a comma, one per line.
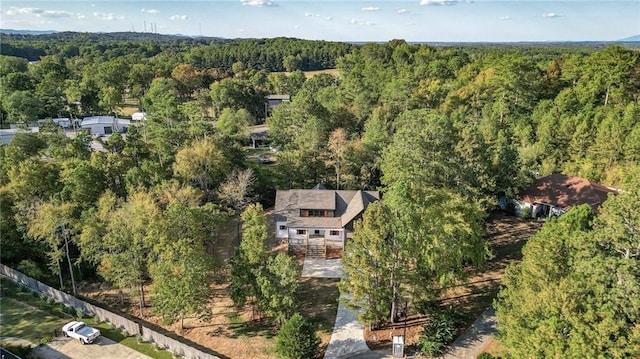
(310,74)
(26,322)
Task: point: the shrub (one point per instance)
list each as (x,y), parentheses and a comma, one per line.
(31,269)
(297,339)
(50,301)
(79,313)
(526,213)
(46,339)
(438,332)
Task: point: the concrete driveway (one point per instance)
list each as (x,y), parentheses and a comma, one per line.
(476,338)
(348,335)
(102,348)
(322,268)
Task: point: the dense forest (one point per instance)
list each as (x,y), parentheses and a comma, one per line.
(443,132)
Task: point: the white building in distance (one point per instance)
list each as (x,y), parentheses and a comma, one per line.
(105,125)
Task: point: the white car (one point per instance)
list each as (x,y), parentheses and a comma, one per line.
(80,331)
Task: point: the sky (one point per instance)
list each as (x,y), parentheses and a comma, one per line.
(334,20)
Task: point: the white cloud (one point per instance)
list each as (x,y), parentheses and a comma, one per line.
(258,3)
(107,16)
(308,14)
(179,17)
(81,17)
(439,2)
(504,18)
(22,10)
(150,11)
(551,15)
(329,18)
(402,11)
(38,12)
(370,8)
(365,23)
(55,13)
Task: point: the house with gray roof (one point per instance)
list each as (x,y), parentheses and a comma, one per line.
(319,217)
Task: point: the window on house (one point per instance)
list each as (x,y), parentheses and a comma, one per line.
(301,231)
(283,227)
(334,233)
(314,213)
(317,231)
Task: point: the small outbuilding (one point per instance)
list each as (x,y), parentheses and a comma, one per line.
(138,116)
(62,122)
(6,135)
(555,194)
(105,125)
(273,101)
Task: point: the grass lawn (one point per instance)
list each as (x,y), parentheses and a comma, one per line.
(310,74)
(32,318)
(117,336)
(26,322)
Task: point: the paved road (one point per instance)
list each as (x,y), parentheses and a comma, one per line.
(102,348)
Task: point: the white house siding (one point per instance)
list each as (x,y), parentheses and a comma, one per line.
(339,236)
(520,206)
(297,239)
(335,240)
(536,208)
(104,125)
(556,211)
(282,233)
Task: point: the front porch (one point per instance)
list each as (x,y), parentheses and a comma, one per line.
(317,243)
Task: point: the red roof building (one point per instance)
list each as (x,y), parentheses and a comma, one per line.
(556,193)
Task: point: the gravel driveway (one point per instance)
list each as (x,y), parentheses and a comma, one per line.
(102,348)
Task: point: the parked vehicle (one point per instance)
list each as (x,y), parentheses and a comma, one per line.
(80,331)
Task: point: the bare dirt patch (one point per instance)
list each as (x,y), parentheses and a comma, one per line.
(232,332)
(506,236)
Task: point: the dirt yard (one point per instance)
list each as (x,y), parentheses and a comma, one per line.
(232,333)
(506,236)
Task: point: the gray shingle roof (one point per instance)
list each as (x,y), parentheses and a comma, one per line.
(347,205)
